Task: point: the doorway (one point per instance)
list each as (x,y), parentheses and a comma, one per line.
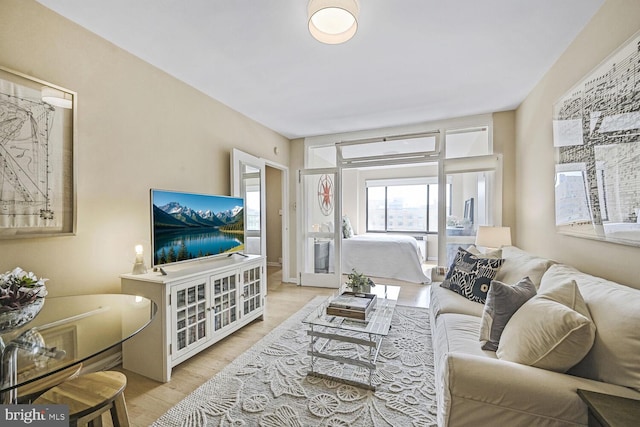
(274,211)
(267,217)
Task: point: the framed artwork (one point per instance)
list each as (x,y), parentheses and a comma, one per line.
(37,151)
(596,132)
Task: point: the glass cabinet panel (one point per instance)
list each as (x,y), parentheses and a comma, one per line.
(252,289)
(224,300)
(190,315)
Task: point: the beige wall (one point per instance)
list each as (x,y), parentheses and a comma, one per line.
(273,182)
(138,128)
(614,23)
(504,142)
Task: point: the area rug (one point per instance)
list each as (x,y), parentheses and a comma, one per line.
(268,384)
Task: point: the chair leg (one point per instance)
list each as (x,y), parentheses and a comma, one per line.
(119,412)
(93,419)
(96,422)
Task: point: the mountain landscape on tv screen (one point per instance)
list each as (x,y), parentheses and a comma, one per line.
(174,216)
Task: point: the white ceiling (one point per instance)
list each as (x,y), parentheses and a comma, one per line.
(411,61)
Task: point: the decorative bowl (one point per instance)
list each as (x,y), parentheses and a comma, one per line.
(10,320)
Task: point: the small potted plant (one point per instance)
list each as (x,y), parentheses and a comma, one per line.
(358,282)
(21,298)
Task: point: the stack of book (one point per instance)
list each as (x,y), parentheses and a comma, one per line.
(351,305)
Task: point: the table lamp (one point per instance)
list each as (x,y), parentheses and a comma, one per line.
(493,237)
(138,266)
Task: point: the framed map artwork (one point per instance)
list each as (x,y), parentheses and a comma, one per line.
(37,174)
(596,132)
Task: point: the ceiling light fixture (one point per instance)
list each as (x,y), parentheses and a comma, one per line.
(333,21)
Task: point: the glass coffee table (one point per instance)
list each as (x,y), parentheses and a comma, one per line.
(354,344)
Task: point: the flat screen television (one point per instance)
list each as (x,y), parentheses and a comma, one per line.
(189,226)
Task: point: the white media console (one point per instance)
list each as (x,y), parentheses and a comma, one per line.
(199,303)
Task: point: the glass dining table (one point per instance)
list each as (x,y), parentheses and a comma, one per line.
(68,331)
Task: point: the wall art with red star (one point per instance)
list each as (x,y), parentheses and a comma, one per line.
(325,194)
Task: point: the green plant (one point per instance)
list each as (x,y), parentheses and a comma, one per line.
(358,282)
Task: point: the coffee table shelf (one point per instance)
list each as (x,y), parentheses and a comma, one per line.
(323,330)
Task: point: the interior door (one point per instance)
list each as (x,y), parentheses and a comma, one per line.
(248,182)
(320,225)
(473,199)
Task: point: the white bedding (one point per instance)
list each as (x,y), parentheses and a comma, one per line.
(382,255)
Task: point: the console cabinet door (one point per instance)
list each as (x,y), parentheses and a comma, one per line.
(189,316)
(252,291)
(224,300)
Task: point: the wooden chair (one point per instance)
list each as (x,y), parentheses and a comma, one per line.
(28,392)
(89,396)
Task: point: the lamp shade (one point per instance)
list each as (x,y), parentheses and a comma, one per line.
(56,97)
(493,237)
(333,21)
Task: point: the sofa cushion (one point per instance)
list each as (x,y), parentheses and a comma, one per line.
(470,275)
(615,311)
(502,301)
(553,330)
(458,333)
(442,300)
(518,264)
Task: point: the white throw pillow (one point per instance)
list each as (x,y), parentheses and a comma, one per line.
(553,330)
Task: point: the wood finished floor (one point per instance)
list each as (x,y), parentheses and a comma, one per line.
(147,400)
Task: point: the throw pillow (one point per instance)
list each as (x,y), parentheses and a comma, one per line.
(553,330)
(502,301)
(347,229)
(471,276)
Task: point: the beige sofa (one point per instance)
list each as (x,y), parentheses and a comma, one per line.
(476,388)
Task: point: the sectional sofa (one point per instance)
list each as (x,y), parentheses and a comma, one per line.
(477,387)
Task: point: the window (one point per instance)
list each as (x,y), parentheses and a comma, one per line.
(468,142)
(403,206)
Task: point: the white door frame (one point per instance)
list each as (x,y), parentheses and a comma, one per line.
(330,279)
(286,273)
(238,157)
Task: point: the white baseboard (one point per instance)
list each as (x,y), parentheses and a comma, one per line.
(273,264)
(103,364)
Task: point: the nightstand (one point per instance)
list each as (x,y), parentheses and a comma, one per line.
(610,411)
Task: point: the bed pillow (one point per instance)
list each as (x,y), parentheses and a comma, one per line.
(347,229)
(502,301)
(471,276)
(552,331)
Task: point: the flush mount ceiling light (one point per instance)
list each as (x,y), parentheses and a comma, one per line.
(56,97)
(333,21)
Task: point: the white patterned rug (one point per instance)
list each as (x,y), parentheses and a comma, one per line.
(268,384)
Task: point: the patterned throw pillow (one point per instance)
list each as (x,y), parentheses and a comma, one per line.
(471,276)
(347,229)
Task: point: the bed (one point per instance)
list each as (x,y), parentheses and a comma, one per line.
(382,255)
